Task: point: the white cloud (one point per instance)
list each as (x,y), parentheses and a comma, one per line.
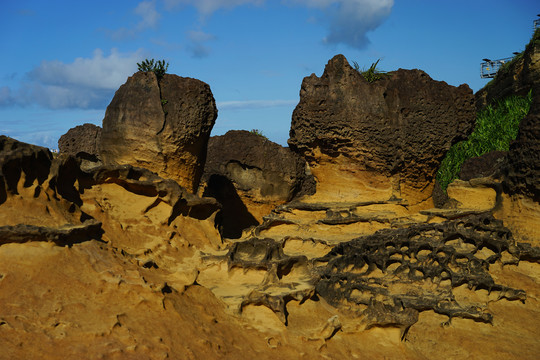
(6,98)
(207,7)
(97,72)
(349,21)
(200,36)
(149,19)
(198,41)
(84,83)
(148,13)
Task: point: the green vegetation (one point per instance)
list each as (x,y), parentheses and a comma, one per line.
(372,74)
(496,126)
(258,132)
(158,67)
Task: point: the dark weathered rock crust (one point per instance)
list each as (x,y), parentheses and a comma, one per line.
(19,159)
(253,162)
(487,165)
(83,138)
(162,125)
(403,123)
(522,173)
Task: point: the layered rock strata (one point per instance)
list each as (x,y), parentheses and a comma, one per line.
(118,262)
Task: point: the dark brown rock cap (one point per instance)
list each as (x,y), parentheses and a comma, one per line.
(251,162)
(83,138)
(403,123)
(522,174)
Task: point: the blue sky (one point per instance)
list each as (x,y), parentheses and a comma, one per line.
(62,61)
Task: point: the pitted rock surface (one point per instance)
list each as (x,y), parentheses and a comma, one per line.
(83,138)
(162,126)
(254,163)
(403,123)
(523,165)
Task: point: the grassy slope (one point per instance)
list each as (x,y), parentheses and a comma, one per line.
(496,126)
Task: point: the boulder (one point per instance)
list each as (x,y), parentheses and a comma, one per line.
(256,164)
(250,175)
(84,138)
(385,138)
(487,165)
(162,125)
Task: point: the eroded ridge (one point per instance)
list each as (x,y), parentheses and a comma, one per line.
(392,275)
(287,277)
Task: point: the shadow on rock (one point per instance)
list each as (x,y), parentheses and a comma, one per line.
(234,216)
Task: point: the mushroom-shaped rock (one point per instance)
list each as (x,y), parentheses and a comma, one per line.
(375,140)
(160,124)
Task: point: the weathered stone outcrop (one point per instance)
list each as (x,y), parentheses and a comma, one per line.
(84,138)
(162,125)
(115,261)
(256,164)
(381,270)
(516,78)
(397,127)
(250,175)
(21,161)
(523,165)
(68,234)
(487,165)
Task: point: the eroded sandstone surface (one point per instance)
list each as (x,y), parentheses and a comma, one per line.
(122,261)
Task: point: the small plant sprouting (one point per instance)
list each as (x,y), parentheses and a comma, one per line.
(158,67)
(372,74)
(258,132)
(164,102)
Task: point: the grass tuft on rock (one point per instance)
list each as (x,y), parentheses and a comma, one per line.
(496,127)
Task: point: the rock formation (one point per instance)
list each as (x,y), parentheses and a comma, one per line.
(523,169)
(487,165)
(386,137)
(162,125)
(115,261)
(250,175)
(84,138)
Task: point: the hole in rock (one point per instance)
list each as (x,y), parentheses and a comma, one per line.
(166,289)
(150,264)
